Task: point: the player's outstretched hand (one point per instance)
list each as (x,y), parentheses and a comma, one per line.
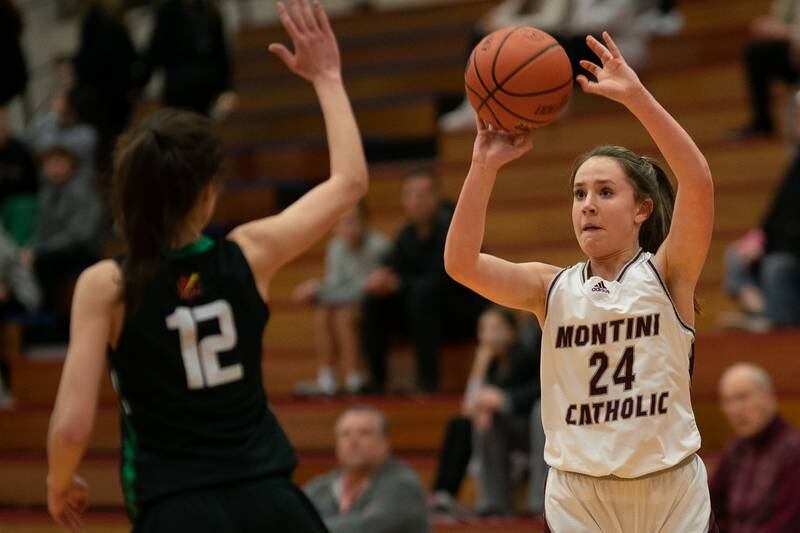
(316,54)
(494,148)
(616,80)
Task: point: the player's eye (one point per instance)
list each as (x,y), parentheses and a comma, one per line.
(579,194)
(606,192)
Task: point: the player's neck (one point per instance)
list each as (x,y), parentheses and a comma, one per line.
(185,238)
(609,266)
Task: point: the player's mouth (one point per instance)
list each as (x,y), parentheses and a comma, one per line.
(591,227)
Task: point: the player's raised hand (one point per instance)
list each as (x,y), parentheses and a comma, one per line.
(494,148)
(316,54)
(616,80)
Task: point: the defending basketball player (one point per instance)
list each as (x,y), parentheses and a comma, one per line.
(618,329)
(180,319)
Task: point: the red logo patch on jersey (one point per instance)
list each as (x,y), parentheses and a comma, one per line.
(189,287)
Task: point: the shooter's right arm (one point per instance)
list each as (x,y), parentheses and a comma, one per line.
(517,285)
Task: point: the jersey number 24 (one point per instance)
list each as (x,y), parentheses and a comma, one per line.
(201,359)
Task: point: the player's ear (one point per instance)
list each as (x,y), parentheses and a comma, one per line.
(643,211)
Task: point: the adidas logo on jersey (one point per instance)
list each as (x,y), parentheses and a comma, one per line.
(600,287)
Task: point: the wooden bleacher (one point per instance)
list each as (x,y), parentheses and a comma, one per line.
(397,66)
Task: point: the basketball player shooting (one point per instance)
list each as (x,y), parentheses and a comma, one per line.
(617,329)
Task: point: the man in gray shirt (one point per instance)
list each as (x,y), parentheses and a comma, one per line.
(370,492)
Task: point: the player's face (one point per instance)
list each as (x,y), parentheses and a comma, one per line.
(605,213)
(419,198)
(359,441)
(494,332)
(747,405)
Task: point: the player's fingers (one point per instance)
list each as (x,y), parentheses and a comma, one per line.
(598,48)
(479,123)
(308,16)
(70,519)
(612,46)
(322,17)
(591,67)
(296,12)
(586,85)
(286,20)
(283,53)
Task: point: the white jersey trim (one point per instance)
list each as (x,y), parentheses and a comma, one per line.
(550,290)
(587,265)
(686,326)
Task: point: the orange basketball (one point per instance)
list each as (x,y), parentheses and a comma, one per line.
(518,78)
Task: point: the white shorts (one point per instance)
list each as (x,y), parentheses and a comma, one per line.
(673,501)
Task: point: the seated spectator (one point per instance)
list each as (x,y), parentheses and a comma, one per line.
(770,55)
(62,126)
(19,179)
(569,23)
(412,293)
(370,492)
(762,268)
(755,487)
(502,392)
(352,254)
(67,234)
(188,41)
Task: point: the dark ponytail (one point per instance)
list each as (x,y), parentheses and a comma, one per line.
(160,168)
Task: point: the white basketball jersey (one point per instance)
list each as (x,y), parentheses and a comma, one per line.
(616,365)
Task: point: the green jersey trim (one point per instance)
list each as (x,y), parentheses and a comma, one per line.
(129,467)
(203,244)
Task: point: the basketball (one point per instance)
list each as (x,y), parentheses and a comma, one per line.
(518,78)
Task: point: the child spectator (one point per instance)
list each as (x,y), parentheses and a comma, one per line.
(67,234)
(352,254)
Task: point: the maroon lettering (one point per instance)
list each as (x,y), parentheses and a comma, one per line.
(599,333)
(616,324)
(612,409)
(564,336)
(639,410)
(581,335)
(597,407)
(661,408)
(627,408)
(586,415)
(644,326)
(570,418)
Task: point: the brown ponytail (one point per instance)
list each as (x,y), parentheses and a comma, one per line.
(160,168)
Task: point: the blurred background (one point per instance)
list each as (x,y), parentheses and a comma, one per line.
(75,73)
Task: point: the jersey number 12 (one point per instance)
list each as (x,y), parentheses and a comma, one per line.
(201,360)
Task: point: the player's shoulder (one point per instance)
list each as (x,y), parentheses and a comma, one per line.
(101,282)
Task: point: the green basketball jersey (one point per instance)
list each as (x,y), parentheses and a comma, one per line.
(187,369)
